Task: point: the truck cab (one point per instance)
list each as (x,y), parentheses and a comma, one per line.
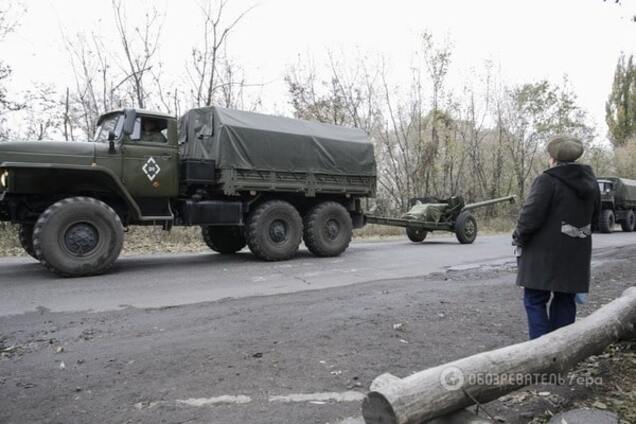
(72,200)
(140,147)
(131,163)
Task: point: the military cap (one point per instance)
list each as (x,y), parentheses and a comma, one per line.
(564,148)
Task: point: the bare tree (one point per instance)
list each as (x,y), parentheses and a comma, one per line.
(67,121)
(98,87)
(139,48)
(474,111)
(43,117)
(347,95)
(10,13)
(203,70)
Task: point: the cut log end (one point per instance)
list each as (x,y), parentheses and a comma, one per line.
(376,409)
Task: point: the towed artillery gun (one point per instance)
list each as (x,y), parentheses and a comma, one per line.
(431,214)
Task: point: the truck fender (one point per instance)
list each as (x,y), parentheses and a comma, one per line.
(120,190)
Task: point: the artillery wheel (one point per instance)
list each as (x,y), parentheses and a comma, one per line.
(328,229)
(416,235)
(606,221)
(223,239)
(466,228)
(274,230)
(78,236)
(629,224)
(25,234)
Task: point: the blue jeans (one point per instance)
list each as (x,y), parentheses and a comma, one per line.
(541,320)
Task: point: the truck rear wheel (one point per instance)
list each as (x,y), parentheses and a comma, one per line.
(223,239)
(25,234)
(274,230)
(466,228)
(629,224)
(78,236)
(416,235)
(606,221)
(328,229)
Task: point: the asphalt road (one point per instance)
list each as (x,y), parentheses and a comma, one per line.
(172,280)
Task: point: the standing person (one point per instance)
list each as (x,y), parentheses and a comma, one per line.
(553,237)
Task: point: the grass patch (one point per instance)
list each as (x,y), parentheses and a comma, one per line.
(9,242)
(374,231)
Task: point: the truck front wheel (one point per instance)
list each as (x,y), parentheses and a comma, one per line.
(328,229)
(606,221)
(274,230)
(25,234)
(78,236)
(629,224)
(222,239)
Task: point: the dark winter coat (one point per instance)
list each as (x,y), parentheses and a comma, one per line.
(554,230)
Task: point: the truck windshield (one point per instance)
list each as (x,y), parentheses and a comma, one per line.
(110,123)
(605,187)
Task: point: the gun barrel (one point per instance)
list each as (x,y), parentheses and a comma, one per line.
(484,203)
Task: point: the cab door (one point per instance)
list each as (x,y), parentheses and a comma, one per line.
(150,162)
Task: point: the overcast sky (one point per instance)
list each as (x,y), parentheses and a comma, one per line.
(529,40)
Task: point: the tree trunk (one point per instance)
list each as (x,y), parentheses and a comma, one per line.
(488,375)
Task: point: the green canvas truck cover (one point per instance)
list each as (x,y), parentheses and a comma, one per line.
(624,189)
(253,141)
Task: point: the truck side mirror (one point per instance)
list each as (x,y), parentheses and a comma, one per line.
(111,142)
(129,121)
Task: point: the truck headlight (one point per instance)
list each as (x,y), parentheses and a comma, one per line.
(4,178)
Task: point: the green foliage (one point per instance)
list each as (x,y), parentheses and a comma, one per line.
(625,159)
(600,158)
(620,108)
(544,110)
(533,113)
(9,243)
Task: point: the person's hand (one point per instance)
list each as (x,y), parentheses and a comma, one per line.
(515,239)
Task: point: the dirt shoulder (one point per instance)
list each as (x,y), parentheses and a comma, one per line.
(135,365)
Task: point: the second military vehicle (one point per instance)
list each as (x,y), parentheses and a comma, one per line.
(618,204)
(245,178)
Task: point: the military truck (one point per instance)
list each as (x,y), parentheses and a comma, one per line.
(245,178)
(618,204)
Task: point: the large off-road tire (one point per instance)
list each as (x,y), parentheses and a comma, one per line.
(416,235)
(274,230)
(466,228)
(78,236)
(629,224)
(25,234)
(223,239)
(327,229)
(606,221)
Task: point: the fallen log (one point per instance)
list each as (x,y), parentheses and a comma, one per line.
(488,375)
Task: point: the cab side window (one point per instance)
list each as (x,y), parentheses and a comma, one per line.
(153,130)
